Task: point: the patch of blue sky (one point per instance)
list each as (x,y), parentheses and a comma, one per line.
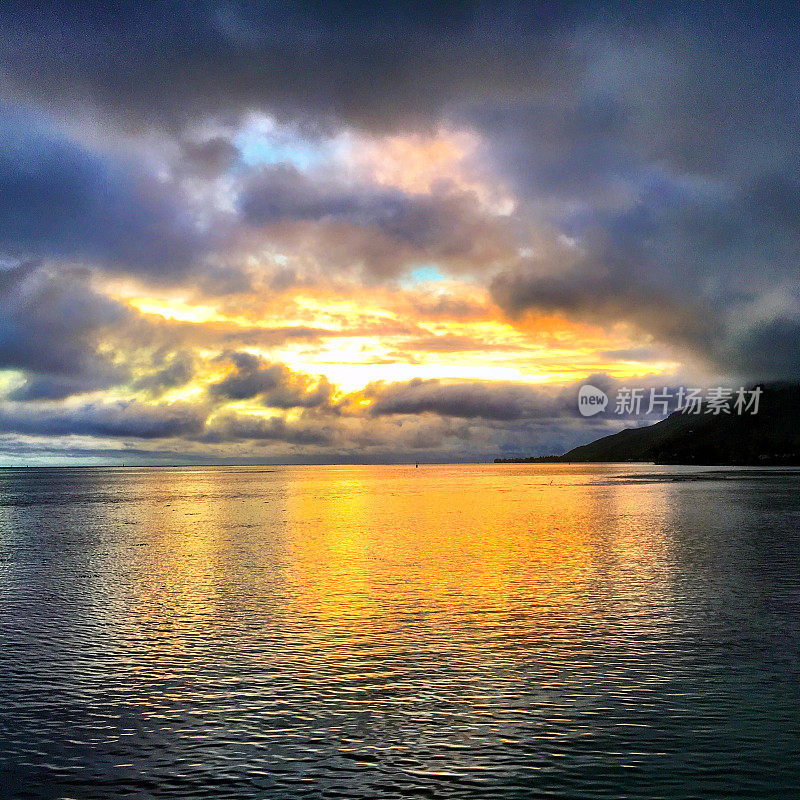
(425,273)
(257,149)
(264,145)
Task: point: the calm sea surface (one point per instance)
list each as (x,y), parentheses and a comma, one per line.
(376,632)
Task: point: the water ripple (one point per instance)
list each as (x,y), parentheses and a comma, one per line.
(359,632)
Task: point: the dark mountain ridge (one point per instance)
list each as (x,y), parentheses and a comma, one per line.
(769,437)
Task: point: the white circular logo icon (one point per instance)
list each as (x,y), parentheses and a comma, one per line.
(591,400)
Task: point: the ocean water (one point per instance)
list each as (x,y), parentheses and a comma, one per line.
(492,631)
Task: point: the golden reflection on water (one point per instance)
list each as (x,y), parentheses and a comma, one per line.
(366,542)
(361,550)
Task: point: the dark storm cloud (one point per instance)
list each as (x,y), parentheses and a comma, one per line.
(250,378)
(284,192)
(491,401)
(670,164)
(235,427)
(771,349)
(568,147)
(121,419)
(50,324)
(166,63)
(219,281)
(61,200)
(54,387)
(774,199)
(387,64)
(177,371)
(445,225)
(208,157)
(275,385)
(467,421)
(613,296)
(710,93)
(300,392)
(685,263)
(498,403)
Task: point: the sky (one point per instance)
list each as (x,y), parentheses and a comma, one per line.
(359,232)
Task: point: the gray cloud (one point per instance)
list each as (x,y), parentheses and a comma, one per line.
(50,326)
(121,419)
(249,379)
(274,385)
(208,158)
(178,371)
(669,156)
(670,164)
(498,403)
(61,200)
(168,63)
(770,349)
(491,401)
(689,266)
(446,226)
(53,387)
(429,419)
(235,427)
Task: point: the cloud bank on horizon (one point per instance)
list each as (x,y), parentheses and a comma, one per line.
(278,232)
